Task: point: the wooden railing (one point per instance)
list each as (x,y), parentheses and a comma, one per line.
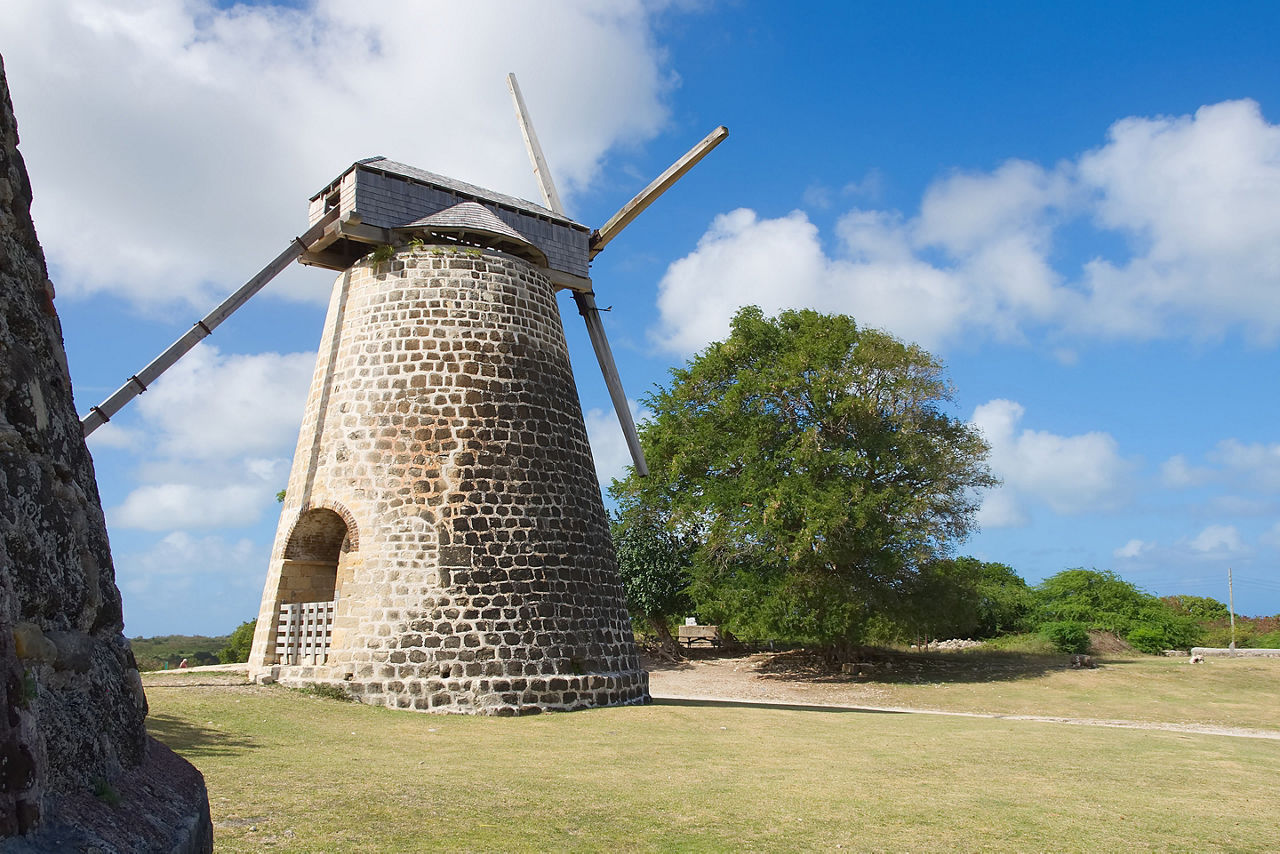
(304,631)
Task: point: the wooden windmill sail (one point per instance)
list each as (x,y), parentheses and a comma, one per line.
(443,544)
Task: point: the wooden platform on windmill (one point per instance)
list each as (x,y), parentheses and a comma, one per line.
(380,201)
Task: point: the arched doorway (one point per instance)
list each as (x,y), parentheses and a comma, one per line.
(311,580)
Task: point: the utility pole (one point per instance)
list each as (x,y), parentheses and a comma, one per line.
(1231,607)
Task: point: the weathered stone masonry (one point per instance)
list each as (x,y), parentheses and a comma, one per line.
(72,708)
(443,492)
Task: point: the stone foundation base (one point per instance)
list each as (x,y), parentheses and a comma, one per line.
(502,696)
(161,805)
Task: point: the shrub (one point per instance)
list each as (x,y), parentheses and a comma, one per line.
(326,691)
(238,644)
(1104,600)
(1067,636)
(1219,636)
(1271,640)
(1148,639)
(1203,609)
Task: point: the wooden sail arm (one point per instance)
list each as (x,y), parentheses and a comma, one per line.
(645,197)
(604,355)
(540,169)
(142,380)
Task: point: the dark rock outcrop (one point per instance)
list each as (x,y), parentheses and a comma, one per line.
(72,709)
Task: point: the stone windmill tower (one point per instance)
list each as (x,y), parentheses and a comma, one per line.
(443,545)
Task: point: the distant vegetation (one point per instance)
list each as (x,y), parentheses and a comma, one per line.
(968,598)
(166,652)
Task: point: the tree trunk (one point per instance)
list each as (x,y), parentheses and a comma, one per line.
(669,644)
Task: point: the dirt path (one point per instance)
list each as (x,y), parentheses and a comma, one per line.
(734,680)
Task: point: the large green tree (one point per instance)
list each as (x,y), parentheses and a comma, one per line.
(654,560)
(963,598)
(820,466)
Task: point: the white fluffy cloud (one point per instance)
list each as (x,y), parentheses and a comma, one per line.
(1133,548)
(1177,473)
(169,506)
(1251,468)
(1197,199)
(1202,195)
(1071,474)
(214,436)
(1218,540)
(780,263)
(211,405)
(188,137)
(1254,462)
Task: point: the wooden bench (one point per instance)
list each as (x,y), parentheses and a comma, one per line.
(689,635)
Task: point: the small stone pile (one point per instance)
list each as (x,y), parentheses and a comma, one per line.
(954,643)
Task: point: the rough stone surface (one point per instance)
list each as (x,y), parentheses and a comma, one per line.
(1236,653)
(161,805)
(71,702)
(443,492)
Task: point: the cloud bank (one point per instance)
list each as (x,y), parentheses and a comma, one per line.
(1069,474)
(1195,199)
(188,137)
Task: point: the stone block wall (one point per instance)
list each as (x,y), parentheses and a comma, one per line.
(444,429)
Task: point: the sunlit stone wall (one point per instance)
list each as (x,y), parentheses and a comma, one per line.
(443,427)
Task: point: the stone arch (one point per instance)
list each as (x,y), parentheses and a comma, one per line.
(307,516)
(320,540)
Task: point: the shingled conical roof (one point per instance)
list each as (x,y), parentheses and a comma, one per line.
(473,220)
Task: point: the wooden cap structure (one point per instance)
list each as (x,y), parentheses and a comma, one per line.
(378,200)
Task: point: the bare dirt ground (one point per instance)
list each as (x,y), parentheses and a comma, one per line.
(797,679)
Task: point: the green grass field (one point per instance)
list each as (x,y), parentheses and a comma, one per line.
(295,773)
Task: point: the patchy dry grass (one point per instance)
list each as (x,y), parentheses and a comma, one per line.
(295,773)
(1229,692)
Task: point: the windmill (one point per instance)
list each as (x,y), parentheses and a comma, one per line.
(443,545)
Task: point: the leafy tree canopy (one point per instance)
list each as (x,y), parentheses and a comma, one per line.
(1204,609)
(962,598)
(817,461)
(238,644)
(1101,599)
(1004,600)
(654,563)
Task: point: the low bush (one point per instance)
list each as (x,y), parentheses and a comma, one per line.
(1148,639)
(1220,636)
(238,644)
(1027,643)
(1067,636)
(326,691)
(1271,640)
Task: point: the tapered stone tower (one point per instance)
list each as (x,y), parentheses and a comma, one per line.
(443,545)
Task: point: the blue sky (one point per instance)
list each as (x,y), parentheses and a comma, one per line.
(1076,206)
